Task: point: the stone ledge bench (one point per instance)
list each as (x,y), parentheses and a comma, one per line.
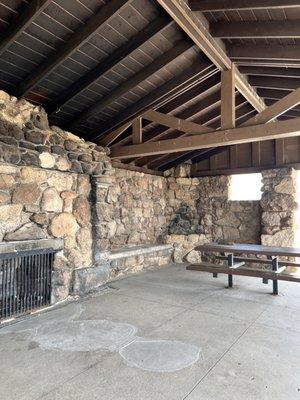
(113,264)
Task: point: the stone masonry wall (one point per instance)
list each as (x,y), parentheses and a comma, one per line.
(200,212)
(279,206)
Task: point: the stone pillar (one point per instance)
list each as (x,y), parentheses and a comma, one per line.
(102,212)
(278,205)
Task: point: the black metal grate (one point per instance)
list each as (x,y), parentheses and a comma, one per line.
(25,281)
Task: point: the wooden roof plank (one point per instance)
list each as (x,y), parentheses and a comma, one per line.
(77,39)
(135,80)
(26,15)
(104,66)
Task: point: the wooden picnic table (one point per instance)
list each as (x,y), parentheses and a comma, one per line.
(235,262)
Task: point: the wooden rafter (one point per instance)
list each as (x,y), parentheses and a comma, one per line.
(243,109)
(274,83)
(255,29)
(209,94)
(111,61)
(197,28)
(269,114)
(76,40)
(226,5)
(227,137)
(270,71)
(26,15)
(276,109)
(135,80)
(108,139)
(278,52)
(158,97)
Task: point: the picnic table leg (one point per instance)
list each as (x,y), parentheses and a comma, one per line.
(275,268)
(230,264)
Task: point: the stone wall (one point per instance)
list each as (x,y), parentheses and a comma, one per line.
(200,212)
(279,207)
(37,204)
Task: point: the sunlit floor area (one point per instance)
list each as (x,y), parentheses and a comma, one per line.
(162,334)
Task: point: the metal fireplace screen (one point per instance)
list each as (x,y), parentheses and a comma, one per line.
(25,281)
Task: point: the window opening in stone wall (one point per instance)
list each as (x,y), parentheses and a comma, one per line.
(245,187)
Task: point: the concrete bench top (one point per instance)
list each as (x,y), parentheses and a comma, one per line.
(28,245)
(139,250)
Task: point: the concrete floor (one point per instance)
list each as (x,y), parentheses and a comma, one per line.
(163,334)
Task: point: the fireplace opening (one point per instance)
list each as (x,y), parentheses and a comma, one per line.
(25,281)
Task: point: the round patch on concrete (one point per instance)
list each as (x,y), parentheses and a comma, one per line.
(85,335)
(160,355)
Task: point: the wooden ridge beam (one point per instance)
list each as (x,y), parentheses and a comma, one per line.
(111,61)
(249,134)
(274,83)
(197,28)
(25,16)
(233,5)
(255,29)
(278,52)
(77,39)
(158,97)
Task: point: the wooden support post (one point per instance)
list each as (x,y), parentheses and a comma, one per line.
(137,133)
(228,98)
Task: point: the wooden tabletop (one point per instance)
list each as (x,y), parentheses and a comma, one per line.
(249,249)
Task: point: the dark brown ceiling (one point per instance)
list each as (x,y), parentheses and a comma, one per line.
(95,64)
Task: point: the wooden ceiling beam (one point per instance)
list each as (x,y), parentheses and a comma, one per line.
(228,98)
(158,25)
(270,71)
(206,91)
(112,136)
(197,28)
(233,5)
(274,83)
(249,134)
(275,110)
(137,132)
(243,109)
(77,39)
(160,96)
(255,29)
(272,93)
(278,52)
(175,122)
(27,13)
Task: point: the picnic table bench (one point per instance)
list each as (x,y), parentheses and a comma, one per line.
(236,259)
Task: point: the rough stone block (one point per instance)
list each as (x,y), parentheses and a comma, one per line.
(87,280)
